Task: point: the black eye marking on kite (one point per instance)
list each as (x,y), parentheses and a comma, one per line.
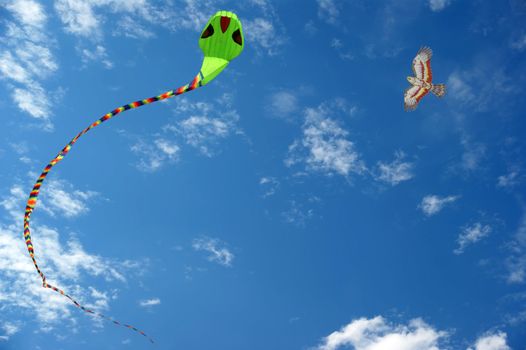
(209,31)
(237,37)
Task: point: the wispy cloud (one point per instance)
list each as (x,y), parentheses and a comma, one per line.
(269,184)
(325,146)
(153,155)
(207,124)
(328,11)
(377,333)
(470,235)
(438,5)
(265,32)
(491,341)
(26,59)
(97,54)
(395,172)
(486,85)
(262,32)
(150,302)
(432,204)
(9,329)
(60,198)
(85,20)
(218,252)
(297,214)
(474,153)
(283,104)
(520,43)
(510,179)
(65,264)
(517,260)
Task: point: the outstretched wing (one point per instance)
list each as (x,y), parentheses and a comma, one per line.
(412,96)
(422,64)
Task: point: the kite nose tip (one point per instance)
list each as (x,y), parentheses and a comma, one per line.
(225,22)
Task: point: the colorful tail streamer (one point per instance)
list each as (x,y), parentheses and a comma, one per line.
(33,197)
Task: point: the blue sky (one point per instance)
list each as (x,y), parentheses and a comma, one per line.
(289,204)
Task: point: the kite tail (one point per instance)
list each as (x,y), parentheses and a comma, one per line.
(33,196)
(439,89)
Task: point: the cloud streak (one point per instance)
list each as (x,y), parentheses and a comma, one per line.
(26,59)
(377,333)
(433,204)
(217,250)
(325,147)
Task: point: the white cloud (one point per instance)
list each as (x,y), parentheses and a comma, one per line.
(150,302)
(395,172)
(325,147)
(152,156)
(23,290)
(297,214)
(485,85)
(432,204)
(517,260)
(28,12)
(283,104)
(520,43)
(34,101)
(438,5)
(9,329)
(78,17)
(263,33)
(63,262)
(474,153)
(199,130)
(207,125)
(98,54)
(269,184)
(328,11)
(376,333)
(459,89)
(26,58)
(10,69)
(59,197)
(85,18)
(495,341)
(509,180)
(128,27)
(217,251)
(470,235)
(37,58)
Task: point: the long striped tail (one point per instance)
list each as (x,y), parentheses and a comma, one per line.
(33,197)
(439,90)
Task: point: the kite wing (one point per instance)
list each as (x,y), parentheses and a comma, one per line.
(221,41)
(422,64)
(412,96)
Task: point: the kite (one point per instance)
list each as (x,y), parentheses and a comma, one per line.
(221,41)
(421,82)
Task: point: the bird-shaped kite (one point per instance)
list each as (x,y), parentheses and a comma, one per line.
(221,41)
(422,81)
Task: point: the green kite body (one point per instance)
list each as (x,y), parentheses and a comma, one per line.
(221,41)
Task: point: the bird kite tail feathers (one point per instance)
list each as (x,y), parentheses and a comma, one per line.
(439,90)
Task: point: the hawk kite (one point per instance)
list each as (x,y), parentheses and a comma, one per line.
(421,82)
